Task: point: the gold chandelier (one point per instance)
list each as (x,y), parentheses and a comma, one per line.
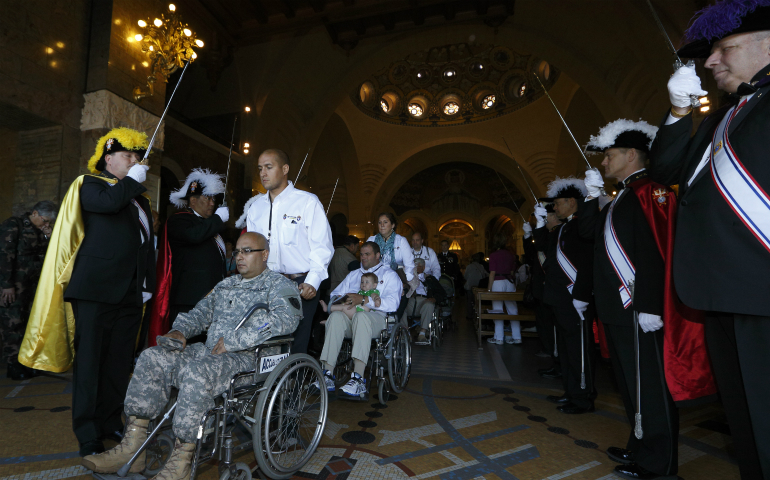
(169,44)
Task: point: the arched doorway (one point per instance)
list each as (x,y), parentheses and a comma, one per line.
(461,237)
(500,225)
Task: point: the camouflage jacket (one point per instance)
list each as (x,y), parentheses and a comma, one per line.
(220,311)
(23,250)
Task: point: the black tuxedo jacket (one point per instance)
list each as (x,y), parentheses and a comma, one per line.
(537,272)
(636,237)
(112,263)
(196,262)
(718,263)
(579,251)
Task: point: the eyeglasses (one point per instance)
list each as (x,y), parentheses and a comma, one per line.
(247,251)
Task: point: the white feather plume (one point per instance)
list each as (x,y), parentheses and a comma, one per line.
(560,183)
(610,132)
(241,223)
(212,185)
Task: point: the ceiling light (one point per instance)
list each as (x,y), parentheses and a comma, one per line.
(138,37)
(199,43)
(248,109)
(142,23)
(172,7)
(246,145)
(157,22)
(187,32)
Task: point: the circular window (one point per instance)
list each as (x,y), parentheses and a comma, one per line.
(451,108)
(523,89)
(384,105)
(390,103)
(488,102)
(423,76)
(476,69)
(450,74)
(415,110)
(366,94)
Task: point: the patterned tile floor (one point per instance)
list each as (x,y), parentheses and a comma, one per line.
(467,413)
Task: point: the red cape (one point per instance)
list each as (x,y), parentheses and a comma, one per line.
(159,322)
(685,357)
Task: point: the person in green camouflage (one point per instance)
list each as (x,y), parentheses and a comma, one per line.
(200,371)
(23,242)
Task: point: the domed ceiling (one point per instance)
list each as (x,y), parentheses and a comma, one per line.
(454,85)
(455,187)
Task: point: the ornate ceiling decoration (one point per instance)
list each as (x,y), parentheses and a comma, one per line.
(454,85)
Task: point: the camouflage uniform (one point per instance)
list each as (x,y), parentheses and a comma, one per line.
(21,259)
(199,375)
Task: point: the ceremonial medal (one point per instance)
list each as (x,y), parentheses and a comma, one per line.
(718,146)
(660,196)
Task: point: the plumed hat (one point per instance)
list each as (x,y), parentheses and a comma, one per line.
(624,134)
(200,182)
(721,20)
(241,223)
(120,139)
(569,187)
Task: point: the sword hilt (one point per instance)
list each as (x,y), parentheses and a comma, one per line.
(582,381)
(638,433)
(694,100)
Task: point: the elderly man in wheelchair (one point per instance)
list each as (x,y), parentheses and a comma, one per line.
(204,372)
(363,325)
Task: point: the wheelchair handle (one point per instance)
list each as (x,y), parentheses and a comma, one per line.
(250,312)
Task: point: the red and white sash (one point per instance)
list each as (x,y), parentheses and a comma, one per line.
(739,189)
(221,245)
(569,270)
(622,265)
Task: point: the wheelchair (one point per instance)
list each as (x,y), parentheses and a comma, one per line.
(435,327)
(273,403)
(389,363)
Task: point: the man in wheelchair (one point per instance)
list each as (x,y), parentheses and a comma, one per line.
(364,326)
(202,372)
(421,303)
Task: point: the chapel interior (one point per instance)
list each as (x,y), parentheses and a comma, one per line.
(433,110)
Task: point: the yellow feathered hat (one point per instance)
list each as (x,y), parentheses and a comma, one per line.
(120,139)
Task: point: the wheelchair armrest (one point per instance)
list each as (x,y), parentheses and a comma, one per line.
(277,341)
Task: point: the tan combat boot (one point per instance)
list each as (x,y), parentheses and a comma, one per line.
(179,464)
(114,458)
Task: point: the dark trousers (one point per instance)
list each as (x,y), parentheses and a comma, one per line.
(545,323)
(568,326)
(105,337)
(657,450)
(305,327)
(742,368)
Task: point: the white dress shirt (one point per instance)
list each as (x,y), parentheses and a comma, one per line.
(420,290)
(388,284)
(432,266)
(299,234)
(403,253)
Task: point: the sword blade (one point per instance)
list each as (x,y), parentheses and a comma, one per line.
(522,171)
(332,199)
(229,159)
(155,134)
(509,194)
(300,167)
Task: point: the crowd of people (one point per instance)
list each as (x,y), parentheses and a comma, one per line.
(679,326)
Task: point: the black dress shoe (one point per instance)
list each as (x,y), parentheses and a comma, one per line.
(552,373)
(560,400)
(633,470)
(620,455)
(91,448)
(16,371)
(572,409)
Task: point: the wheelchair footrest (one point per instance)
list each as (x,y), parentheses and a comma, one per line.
(114,476)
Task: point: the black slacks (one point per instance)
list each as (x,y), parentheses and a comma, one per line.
(657,450)
(741,365)
(545,323)
(569,326)
(305,327)
(105,336)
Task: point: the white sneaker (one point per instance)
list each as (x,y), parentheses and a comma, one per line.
(508,340)
(328,380)
(422,340)
(356,387)
(493,341)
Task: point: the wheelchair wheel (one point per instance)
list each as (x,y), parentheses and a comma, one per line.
(434,341)
(383,392)
(290,419)
(157,454)
(344,366)
(399,359)
(242,472)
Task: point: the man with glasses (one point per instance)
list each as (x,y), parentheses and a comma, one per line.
(192,252)
(23,249)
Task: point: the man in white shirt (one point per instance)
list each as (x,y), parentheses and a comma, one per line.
(432,266)
(295,225)
(364,325)
(419,302)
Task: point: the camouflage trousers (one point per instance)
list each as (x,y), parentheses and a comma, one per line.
(13,324)
(199,376)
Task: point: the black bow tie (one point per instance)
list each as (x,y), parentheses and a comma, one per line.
(619,186)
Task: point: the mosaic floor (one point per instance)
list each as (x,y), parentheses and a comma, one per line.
(467,413)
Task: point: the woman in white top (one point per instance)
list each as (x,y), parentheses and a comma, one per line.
(395,249)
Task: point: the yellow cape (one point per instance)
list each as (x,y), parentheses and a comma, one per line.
(49,342)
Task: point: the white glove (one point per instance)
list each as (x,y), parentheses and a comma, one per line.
(138,172)
(527,229)
(146,296)
(540,214)
(223,213)
(650,322)
(683,83)
(580,306)
(594,183)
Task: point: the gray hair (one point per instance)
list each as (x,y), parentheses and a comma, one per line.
(419,261)
(46,208)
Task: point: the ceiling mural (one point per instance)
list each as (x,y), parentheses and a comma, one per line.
(455,187)
(454,85)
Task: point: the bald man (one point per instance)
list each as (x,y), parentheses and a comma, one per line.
(300,237)
(200,371)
